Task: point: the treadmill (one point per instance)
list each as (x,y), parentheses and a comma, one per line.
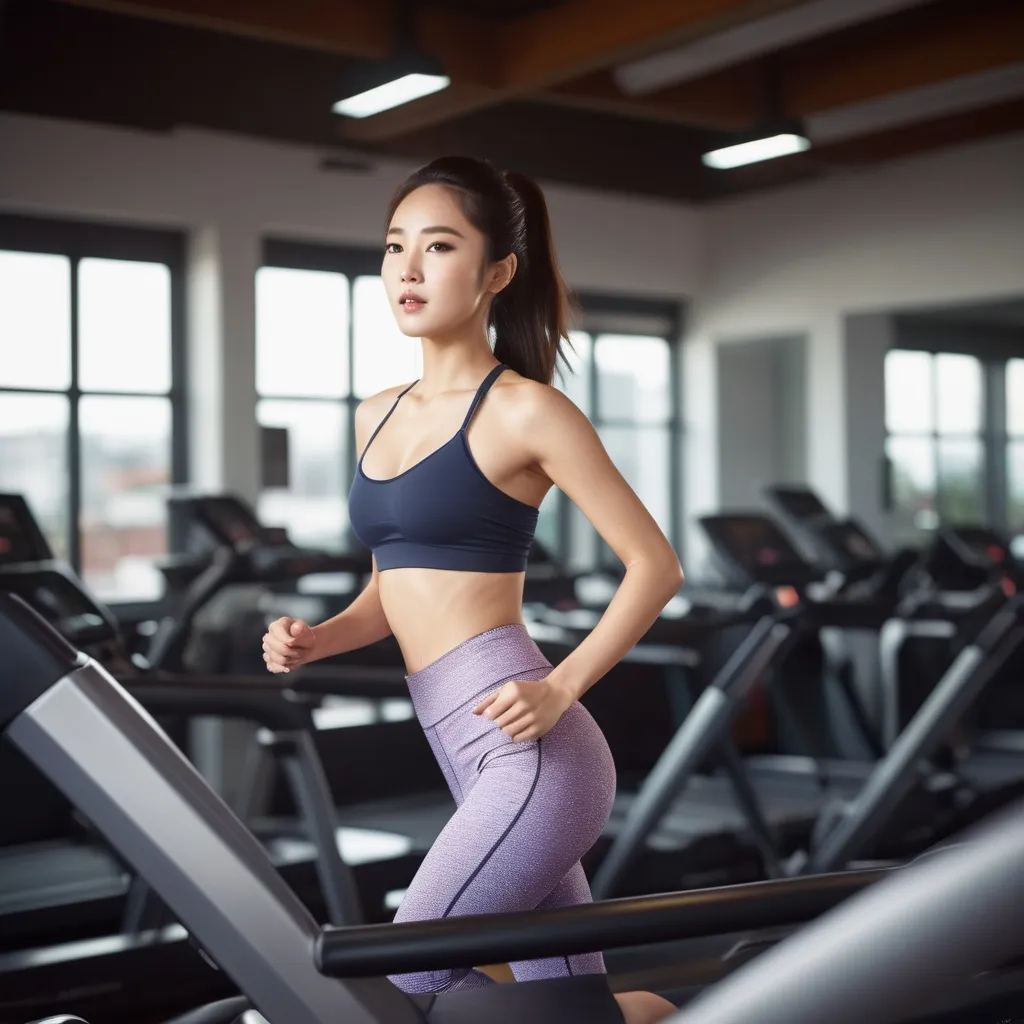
(840,545)
(813,783)
(385,823)
(901,804)
(222,543)
(65,892)
(928,938)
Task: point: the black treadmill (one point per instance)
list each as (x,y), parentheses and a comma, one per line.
(901,802)
(222,543)
(66,896)
(811,786)
(931,938)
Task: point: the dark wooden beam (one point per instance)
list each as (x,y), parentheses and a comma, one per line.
(728,100)
(924,47)
(571,39)
(354,28)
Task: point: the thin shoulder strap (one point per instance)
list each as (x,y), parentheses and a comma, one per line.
(481,391)
(394,405)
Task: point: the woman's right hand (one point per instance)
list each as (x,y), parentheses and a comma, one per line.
(287,644)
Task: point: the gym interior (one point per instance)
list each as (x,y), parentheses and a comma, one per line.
(794,236)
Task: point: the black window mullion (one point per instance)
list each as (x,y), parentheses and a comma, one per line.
(179,375)
(74,432)
(675,495)
(996,445)
(351,399)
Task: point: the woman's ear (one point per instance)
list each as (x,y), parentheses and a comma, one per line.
(502,273)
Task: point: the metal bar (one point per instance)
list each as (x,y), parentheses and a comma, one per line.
(747,800)
(703,728)
(498,938)
(312,795)
(895,775)
(890,953)
(87,736)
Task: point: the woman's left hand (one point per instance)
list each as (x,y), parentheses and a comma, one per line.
(525,709)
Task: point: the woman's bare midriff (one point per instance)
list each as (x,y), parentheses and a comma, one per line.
(430,611)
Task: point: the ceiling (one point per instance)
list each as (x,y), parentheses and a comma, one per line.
(607,94)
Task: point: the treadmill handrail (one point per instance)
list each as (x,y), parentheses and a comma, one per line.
(371,950)
(888,952)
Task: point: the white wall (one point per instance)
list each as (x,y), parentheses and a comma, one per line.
(932,230)
(795,262)
(230,191)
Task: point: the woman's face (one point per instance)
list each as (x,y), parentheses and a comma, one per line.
(434,266)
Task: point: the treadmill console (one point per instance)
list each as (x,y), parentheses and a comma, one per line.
(21,540)
(28,569)
(852,539)
(978,543)
(213,521)
(753,549)
(798,503)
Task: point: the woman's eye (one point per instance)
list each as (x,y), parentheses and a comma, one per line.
(445,247)
(391,247)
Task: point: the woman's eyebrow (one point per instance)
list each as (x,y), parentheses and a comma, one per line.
(434,229)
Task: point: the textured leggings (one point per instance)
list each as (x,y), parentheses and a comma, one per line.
(526,811)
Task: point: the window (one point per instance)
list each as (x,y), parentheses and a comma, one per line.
(935,421)
(1014,461)
(325,339)
(91,411)
(623,376)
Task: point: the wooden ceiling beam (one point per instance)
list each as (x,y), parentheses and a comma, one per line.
(557,45)
(916,52)
(353,28)
(345,26)
(725,101)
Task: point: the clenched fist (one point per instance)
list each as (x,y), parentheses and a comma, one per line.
(287,644)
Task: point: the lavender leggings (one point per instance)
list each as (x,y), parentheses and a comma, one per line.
(527,811)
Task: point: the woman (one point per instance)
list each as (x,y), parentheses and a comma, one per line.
(453,468)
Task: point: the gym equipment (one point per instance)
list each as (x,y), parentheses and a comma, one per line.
(73,720)
(223,532)
(58,883)
(865,797)
(838,545)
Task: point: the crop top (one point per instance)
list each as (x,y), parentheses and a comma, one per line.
(442,512)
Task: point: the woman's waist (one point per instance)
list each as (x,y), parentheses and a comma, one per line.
(428,621)
(472,666)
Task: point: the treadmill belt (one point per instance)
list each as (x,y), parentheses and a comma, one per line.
(54,873)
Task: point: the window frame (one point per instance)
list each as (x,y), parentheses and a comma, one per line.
(605,313)
(78,239)
(993,347)
(353,262)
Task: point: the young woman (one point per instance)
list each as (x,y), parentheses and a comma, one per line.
(453,468)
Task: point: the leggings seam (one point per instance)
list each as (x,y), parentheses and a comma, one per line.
(500,839)
(478,696)
(444,750)
(568,967)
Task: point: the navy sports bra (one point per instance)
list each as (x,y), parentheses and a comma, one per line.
(442,513)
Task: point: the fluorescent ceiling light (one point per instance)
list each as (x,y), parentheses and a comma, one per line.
(391,94)
(752,152)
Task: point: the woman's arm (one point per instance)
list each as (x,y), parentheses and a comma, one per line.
(363,622)
(567,448)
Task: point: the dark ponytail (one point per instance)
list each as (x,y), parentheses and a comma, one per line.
(529,318)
